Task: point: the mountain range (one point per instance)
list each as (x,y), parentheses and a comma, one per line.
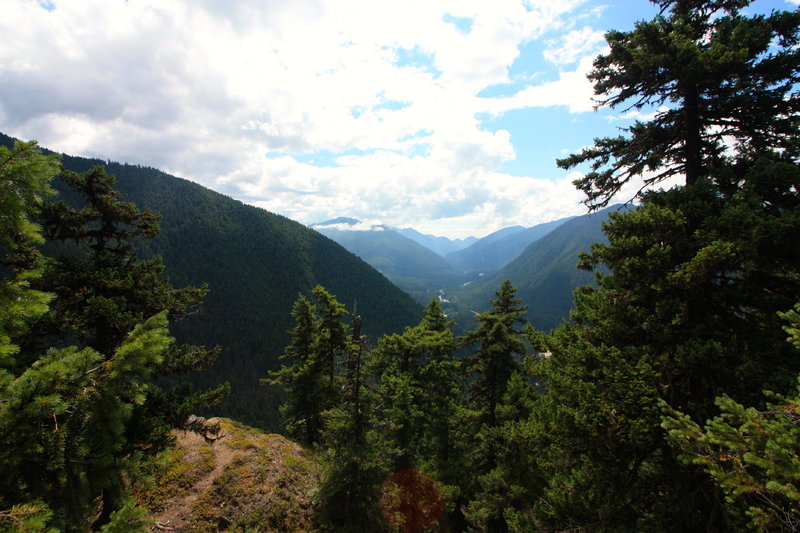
(497,249)
(440,245)
(408,264)
(540,261)
(545,273)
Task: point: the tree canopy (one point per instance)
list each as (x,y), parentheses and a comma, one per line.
(717,81)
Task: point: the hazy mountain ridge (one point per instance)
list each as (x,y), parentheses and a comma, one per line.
(545,273)
(497,249)
(438,244)
(409,265)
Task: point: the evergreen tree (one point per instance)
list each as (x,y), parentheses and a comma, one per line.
(753,455)
(442,390)
(75,419)
(319,349)
(713,74)
(489,372)
(307,390)
(64,425)
(688,311)
(499,340)
(25,176)
(354,460)
(415,373)
(102,288)
(417,395)
(332,343)
(504,492)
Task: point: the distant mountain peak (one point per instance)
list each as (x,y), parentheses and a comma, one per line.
(337,220)
(348,224)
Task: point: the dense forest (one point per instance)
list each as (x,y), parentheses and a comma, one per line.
(669,401)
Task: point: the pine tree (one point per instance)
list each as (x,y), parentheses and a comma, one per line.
(25,176)
(753,455)
(307,390)
(697,274)
(417,387)
(713,76)
(74,420)
(319,350)
(504,492)
(102,288)
(417,395)
(354,462)
(64,424)
(499,339)
(332,342)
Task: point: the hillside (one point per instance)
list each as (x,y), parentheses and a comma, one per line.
(496,250)
(469,258)
(409,265)
(440,245)
(244,479)
(255,263)
(545,273)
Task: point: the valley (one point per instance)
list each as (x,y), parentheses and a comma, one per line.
(540,261)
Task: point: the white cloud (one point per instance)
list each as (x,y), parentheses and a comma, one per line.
(361,225)
(572,90)
(574,46)
(205,89)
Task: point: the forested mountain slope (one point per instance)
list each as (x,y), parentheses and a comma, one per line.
(255,263)
(496,250)
(408,264)
(545,273)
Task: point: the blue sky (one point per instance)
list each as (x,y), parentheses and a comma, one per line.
(442,115)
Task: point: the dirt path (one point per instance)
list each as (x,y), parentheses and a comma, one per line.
(177,514)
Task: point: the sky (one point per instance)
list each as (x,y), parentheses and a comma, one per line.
(443,115)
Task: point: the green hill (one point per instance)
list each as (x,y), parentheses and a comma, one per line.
(411,266)
(496,250)
(545,273)
(255,263)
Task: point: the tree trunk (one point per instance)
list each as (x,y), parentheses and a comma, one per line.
(693,160)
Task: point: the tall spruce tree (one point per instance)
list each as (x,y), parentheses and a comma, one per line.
(415,373)
(715,76)
(499,340)
(332,344)
(697,274)
(302,380)
(318,351)
(354,458)
(499,344)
